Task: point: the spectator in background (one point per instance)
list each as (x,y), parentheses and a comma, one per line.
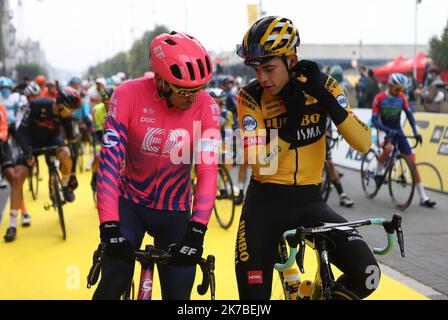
(372,88)
(52,91)
(41,81)
(361,88)
(411,91)
(22,85)
(433,94)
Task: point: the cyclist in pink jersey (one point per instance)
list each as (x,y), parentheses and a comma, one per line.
(156,128)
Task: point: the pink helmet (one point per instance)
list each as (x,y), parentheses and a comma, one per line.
(180,59)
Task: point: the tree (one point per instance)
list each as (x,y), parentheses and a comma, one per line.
(139,53)
(30,70)
(117,63)
(438,49)
(134,62)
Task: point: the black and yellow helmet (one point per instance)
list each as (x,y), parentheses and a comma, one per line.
(268,37)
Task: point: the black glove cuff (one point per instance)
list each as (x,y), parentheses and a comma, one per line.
(109,229)
(196,230)
(337,113)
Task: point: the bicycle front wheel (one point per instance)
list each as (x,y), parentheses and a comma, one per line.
(33,180)
(401,182)
(58,202)
(368,170)
(224,207)
(342,294)
(80,156)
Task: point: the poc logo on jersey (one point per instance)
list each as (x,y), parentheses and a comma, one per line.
(342,100)
(147,120)
(110,138)
(249,123)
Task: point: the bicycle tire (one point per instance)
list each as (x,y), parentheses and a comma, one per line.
(434,168)
(225,221)
(342,294)
(403,179)
(33,180)
(58,202)
(368,174)
(326,182)
(80,156)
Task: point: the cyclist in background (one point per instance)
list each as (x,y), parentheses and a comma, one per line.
(226,127)
(40,128)
(52,90)
(99,113)
(284,193)
(12,101)
(386,112)
(152,119)
(81,124)
(41,80)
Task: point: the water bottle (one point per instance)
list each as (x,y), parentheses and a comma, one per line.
(305,290)
(292,282)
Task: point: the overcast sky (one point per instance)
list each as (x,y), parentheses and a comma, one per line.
(76,34)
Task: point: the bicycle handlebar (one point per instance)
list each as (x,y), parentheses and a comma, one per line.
(157,256)
(297,236)
(415,144)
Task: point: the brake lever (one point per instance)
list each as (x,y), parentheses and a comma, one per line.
(396,223)
(300,257)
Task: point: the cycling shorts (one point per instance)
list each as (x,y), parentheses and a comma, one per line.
(166,227)
(270,210)
(6,157)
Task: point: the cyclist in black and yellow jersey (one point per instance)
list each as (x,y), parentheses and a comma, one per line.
(294,98)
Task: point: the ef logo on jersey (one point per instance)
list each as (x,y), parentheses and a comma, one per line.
(110,138)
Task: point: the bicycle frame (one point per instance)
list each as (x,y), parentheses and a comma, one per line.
(324,280)
(392,157)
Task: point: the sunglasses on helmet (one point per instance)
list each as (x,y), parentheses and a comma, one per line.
(254,51)
(185,92)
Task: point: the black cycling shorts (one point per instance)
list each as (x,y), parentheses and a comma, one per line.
(270,210)
(6,157)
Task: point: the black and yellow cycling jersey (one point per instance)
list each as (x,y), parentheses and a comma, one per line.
(276,161)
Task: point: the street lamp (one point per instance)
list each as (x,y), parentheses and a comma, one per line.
(417,2)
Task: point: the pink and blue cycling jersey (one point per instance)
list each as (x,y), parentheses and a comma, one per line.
(148,150)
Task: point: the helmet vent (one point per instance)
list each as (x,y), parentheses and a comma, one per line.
(170,42)
(209,66)
(191,71)
(175,71)
(201,68)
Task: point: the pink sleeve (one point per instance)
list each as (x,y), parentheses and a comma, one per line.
(207,156)
(112,154)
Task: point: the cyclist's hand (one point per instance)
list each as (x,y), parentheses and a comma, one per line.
(294,100)
(312,82)
(393,133)
(188,252)
(117,246)
(419,138)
